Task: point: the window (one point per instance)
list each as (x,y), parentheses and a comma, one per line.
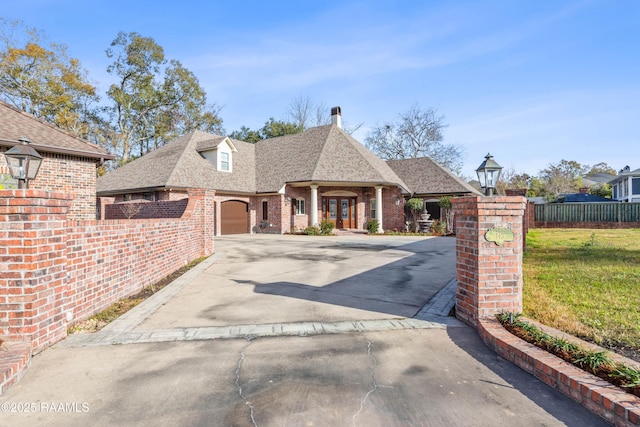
(265,211)
(635,186)
(372,209)
(224,161)
(299,206)
(127,197)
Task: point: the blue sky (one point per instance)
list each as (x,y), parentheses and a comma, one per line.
(532,82)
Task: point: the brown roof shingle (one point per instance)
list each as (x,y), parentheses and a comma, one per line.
(425,176)
(44,136)
(324,153)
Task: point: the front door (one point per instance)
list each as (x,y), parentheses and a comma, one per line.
(341,211)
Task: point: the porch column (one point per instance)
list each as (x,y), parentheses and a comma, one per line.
(314,205)
(379,208)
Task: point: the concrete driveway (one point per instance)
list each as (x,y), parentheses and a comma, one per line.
(290,331)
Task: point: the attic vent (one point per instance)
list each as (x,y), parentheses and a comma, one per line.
(336,117)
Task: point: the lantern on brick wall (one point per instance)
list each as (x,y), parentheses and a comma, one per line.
(488,174)
(24,162)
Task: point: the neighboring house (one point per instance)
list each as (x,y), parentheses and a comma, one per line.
(626,185)
(430,181)
(278,185)
(69,164)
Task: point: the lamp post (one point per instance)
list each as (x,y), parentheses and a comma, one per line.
(488,174)
(24,162)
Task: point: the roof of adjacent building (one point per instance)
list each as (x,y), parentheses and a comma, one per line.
(426,177)
(582,198)
(45,137)
(625,173)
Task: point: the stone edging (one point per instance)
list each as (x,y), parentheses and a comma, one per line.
(597,395)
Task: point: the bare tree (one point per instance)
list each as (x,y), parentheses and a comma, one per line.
(129,210)
(417,133)
(306,113)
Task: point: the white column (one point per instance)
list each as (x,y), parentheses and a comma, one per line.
(379,208)
(314,205)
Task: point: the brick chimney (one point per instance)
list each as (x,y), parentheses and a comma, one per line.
(336,117)
(584,190)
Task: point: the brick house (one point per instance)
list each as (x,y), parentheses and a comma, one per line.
(69,163)
(278,185)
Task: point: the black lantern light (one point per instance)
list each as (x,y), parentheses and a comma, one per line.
(24,162)
(488,174)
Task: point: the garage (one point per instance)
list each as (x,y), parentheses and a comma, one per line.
(234,217)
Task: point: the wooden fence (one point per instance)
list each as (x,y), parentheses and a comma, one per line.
(566,213)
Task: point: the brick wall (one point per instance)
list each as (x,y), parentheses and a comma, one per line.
(278,215)
(70,175)
(57,271)
(489,276)
(145,209)
(33,284)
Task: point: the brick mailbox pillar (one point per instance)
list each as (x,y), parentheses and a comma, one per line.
(33,282)
(489,235)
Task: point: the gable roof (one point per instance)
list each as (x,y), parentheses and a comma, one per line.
(425,176)
(320,154)
(44,137)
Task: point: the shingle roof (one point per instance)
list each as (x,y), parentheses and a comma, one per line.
(425,176)
(180,165)
(44,136)
(623,174)
(582,198)
(322,154)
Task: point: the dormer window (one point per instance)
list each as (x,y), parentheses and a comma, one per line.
(219,152)
(224,161)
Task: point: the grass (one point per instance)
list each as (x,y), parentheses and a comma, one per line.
(586,283)
(120,307)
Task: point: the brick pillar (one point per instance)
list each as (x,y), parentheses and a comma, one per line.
(102,205)
(489,274)
(33,282)
(209,222)
(205,208)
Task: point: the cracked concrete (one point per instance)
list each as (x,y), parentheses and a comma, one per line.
(293,341)
(237,382)
(373,380)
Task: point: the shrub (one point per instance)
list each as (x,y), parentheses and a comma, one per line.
(372,226)
(312,231)
(438,228)
(326,227)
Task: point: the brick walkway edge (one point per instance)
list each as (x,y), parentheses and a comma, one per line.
(14,359)
(600,397)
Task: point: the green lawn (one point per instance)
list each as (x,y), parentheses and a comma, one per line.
(587,283)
